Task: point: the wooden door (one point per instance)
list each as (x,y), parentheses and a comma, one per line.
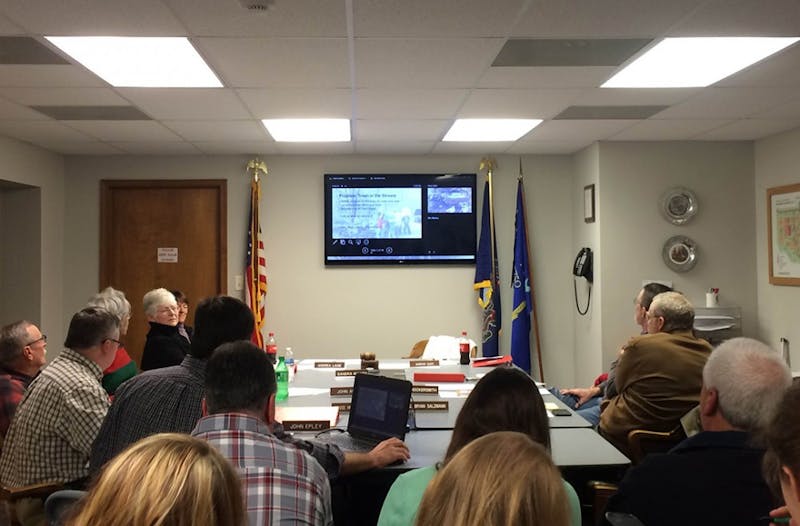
(139,219)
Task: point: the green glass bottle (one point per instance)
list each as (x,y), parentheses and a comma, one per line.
(282,376)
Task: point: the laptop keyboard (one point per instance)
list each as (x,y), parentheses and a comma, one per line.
(350,443)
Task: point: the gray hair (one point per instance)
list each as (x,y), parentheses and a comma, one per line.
(13,338)
(750,379)
(112,300)
(155,298)
(676,310)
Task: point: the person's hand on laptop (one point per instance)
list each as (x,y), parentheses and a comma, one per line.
(387,452)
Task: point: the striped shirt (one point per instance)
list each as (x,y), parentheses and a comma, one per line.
(55,424)
(281,484)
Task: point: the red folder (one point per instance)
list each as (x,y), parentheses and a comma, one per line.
(439,377)
(494,360)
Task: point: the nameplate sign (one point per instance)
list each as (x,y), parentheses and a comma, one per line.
(328,365)
(423,363)
(430,406)
(350,372)
(423,389)
(344,407)
(306,425)
(341,391)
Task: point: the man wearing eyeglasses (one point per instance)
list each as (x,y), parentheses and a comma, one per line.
(22,354)
(60,414)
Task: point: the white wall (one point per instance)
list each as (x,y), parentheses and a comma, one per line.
(776,164)
(32,166)
(633,177)
(340,312)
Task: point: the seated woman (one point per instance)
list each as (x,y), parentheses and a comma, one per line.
(122,368)
(164,346)
(506,399)
(168,479)
(782,459)
(499,479)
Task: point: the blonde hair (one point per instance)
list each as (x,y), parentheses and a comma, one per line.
(499,479)
(168,479)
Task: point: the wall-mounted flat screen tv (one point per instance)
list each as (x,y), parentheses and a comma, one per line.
(375,219)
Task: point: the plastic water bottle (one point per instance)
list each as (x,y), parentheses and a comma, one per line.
(272,348)
(463,348)
(289,359)
(282,376)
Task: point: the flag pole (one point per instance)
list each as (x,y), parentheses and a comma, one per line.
(489,164)
(534,316)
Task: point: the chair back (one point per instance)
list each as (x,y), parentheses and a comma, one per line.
(59,503)
(642,442)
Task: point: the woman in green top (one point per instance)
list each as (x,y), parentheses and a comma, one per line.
(506,399)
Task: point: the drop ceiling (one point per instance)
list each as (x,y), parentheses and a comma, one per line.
(400,70)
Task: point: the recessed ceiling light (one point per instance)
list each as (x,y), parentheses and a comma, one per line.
(695,62)
(489,130)
(308,130)
(144,62)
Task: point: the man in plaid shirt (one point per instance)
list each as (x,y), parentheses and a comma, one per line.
(282,483)
(22,354)
(55,424)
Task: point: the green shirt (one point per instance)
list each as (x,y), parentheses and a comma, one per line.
(402,501)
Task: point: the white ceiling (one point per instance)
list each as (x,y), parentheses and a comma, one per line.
(401,70)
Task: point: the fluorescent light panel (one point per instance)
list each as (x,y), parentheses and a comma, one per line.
(695,62)
(143,62)
(489,130)
(308,130)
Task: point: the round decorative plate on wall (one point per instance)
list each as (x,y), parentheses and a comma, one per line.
(678,205)
(680,253)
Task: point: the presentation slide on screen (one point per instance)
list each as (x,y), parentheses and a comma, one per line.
(377,213)
(449,200)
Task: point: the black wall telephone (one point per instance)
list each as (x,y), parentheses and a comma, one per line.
(583,264)
(582,268)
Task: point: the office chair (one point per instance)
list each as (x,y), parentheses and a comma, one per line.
(59,503)
(642,442)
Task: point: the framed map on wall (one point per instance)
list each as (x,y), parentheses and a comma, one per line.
(783,220)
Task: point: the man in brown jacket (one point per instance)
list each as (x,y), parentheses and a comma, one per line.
(659,375)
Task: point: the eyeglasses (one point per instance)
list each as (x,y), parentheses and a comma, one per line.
(113,340)
(165,310)
(42,339)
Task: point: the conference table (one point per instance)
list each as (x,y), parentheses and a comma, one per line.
(577,449)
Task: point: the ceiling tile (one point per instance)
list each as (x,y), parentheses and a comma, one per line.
(777,71)
(667,130)
(749,129)
(555,77)
(422,63)
(741,17)
(297,103)
(48,77)
(634,96)
(7,27)
(559,52)
(219,131)
(278,62)
(549,147)
(80,148)
(187,103)
(727,103)
(92,113)
(63,96)
(315,18)
(11,111)
(124,131)
(582,113)
(35,131)
(441,18)
(237,147)
(401,130)
(488,148)
(27,50)
(394,147)
(523,104)
(787,110)
(409,103)
(578,131)
(157,147)
(315,148)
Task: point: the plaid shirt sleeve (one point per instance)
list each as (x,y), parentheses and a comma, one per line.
(11,393)
(329,456)
(82,415)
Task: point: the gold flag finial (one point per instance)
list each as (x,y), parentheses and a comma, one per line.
(488,164)
(257,165)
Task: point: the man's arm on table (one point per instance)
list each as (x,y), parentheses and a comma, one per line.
(385,453)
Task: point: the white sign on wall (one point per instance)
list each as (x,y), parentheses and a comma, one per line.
(167,254)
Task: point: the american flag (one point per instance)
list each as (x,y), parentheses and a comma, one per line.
(256,270)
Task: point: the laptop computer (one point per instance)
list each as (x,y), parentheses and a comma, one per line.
(378,410)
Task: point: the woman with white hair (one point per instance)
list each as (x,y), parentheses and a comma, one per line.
(164,346)
(122,368)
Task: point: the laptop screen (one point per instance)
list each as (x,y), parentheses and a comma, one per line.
(379,408)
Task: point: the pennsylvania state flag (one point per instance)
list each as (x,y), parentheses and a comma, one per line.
(521,316)
(486,281)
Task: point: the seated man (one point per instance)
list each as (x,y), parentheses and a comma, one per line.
(169,399)
(281,484)
(714,477)
(22,353)
(659,375)
(586,401)
(52,433)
